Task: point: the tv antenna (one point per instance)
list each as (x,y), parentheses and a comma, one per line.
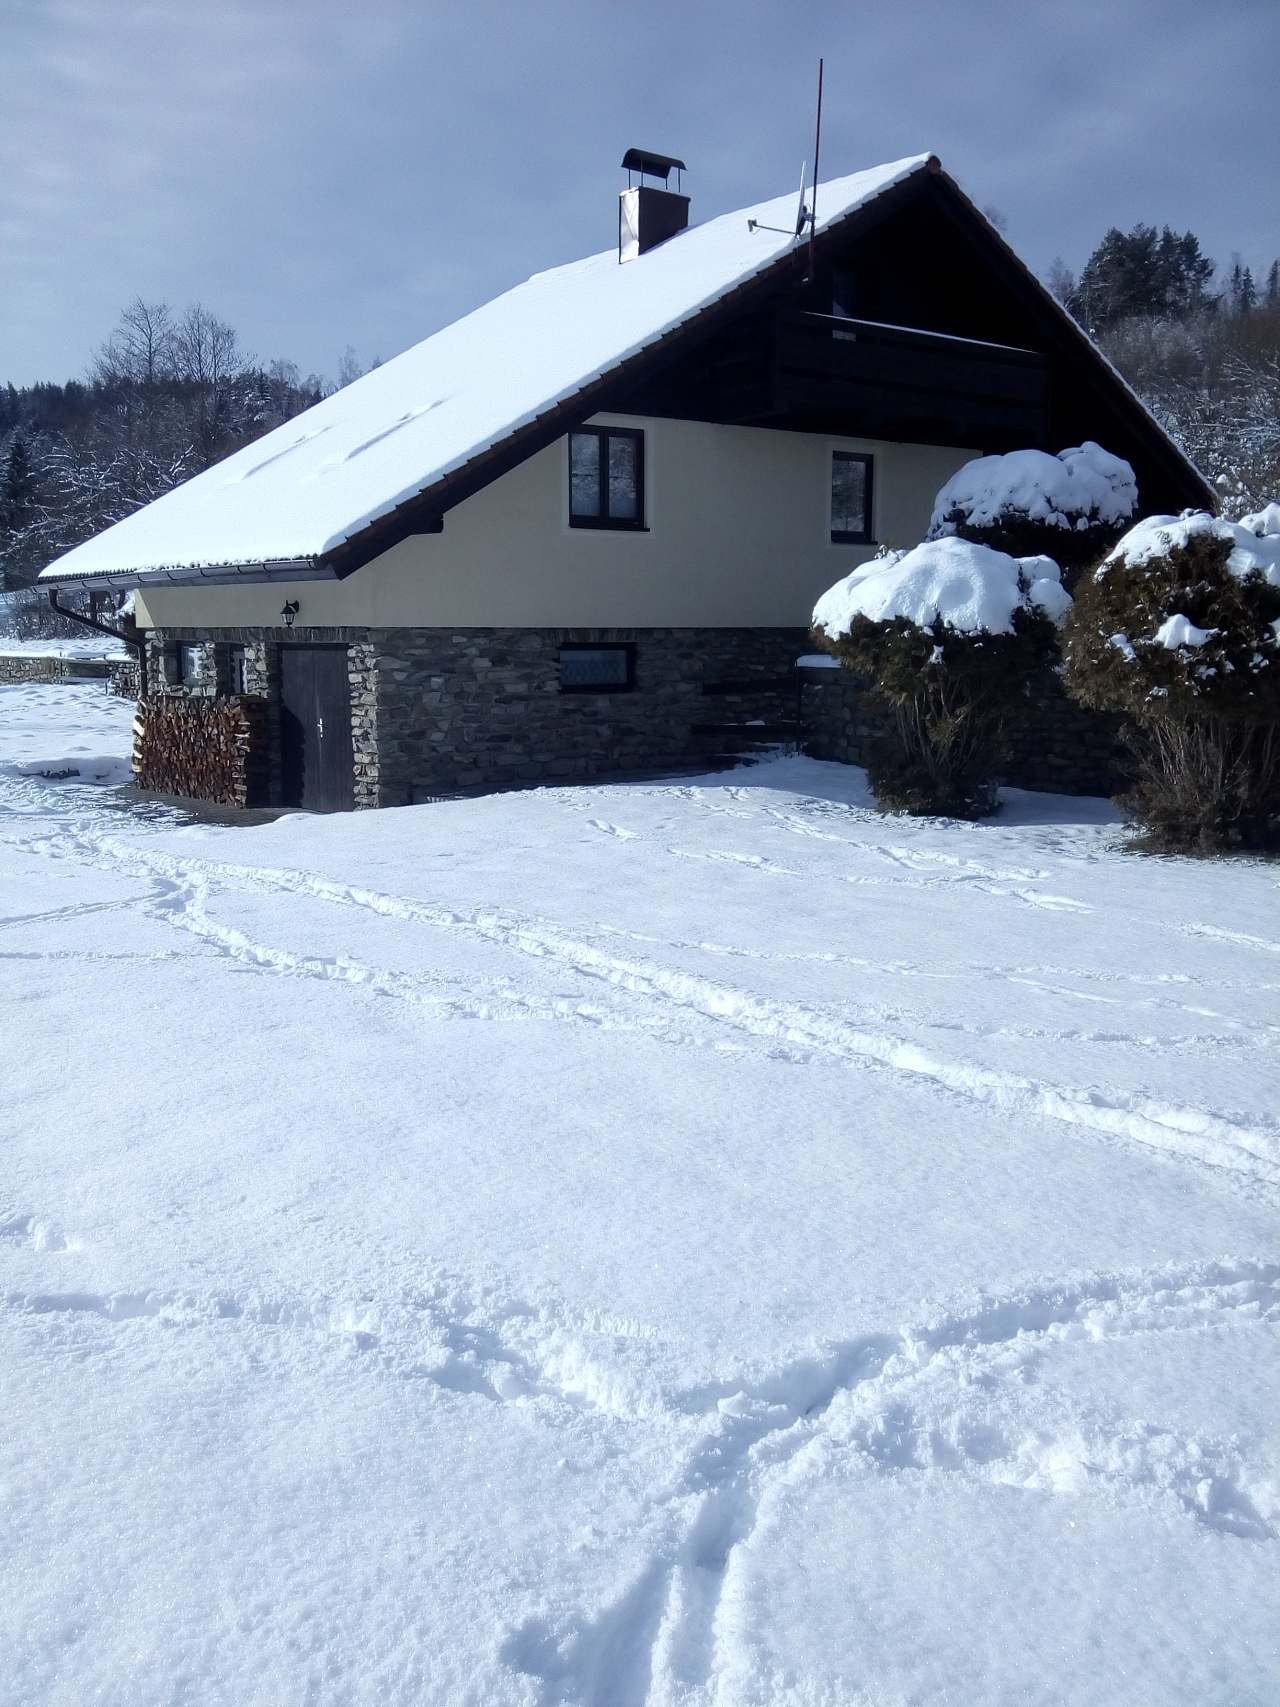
(806,214)
(817,144)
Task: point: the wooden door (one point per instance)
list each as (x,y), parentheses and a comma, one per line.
(316,760)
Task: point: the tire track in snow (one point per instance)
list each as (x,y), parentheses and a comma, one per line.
(658,1642)
(790,1029)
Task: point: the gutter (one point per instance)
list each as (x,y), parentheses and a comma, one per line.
(135,640)
(215,575)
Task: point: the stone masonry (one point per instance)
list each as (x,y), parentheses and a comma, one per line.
(450,711)
(41,667)
(1053,745)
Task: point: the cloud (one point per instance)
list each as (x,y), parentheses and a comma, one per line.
(331,173)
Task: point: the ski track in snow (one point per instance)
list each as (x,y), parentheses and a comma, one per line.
(662,1002)
(873,1400)
(657,1642)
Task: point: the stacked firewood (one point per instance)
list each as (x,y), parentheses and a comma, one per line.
(202,749)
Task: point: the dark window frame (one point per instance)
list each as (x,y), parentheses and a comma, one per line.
(604,521)
(843,536)
(227,656)
(182,676)
(627,647)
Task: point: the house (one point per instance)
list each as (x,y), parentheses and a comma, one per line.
(574,531)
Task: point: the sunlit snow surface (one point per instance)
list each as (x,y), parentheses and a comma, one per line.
(669,1243)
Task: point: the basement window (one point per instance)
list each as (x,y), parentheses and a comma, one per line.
(851,491)
(587,668)
(186,663)
(235,670)
(606,478)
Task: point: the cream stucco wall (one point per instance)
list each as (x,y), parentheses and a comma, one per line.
(738,536)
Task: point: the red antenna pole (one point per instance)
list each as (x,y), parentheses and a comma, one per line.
(817,144)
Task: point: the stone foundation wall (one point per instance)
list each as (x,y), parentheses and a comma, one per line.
(1053,745)
(449,711)
(41,667)
(124,678)
(1061,747)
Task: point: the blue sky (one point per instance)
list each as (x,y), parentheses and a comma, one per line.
(323,173)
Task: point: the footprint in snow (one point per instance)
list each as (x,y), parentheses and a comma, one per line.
(35,1233)
(614,830)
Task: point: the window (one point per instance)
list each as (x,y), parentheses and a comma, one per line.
(585,668)
(235,669)
(850,498)
(606,478)
(186,663)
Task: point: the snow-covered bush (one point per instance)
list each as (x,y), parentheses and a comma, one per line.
(1073,506)
(1264,523)
(1178,629)
(948,635)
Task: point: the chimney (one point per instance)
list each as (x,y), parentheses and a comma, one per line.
(647,215)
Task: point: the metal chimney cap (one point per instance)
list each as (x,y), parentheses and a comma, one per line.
(652,165)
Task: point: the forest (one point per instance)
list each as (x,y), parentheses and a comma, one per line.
(172,391)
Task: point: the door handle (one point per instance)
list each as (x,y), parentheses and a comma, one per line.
(320,727)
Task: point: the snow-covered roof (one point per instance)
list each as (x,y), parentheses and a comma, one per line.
(303,489)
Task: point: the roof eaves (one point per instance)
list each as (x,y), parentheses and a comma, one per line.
(192,574)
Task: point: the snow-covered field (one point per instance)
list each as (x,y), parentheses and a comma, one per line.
(669,1243)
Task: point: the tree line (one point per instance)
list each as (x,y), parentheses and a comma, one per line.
(168,394)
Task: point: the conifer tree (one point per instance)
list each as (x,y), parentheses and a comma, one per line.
(17,486)
(1142,273)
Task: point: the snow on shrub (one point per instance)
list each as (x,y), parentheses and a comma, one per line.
(1181,617)
(948,635)
(1073,505)
(970,588)
(1263,523)
(1179,629)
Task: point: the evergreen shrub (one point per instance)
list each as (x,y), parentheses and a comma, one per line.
(1072,507)
(1178,630)
(947,637)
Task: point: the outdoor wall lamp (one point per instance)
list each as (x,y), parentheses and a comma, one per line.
(288,610)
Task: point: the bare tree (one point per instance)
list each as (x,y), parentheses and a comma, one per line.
(1061,281)
(207,350)
(349,367)
(142,347)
